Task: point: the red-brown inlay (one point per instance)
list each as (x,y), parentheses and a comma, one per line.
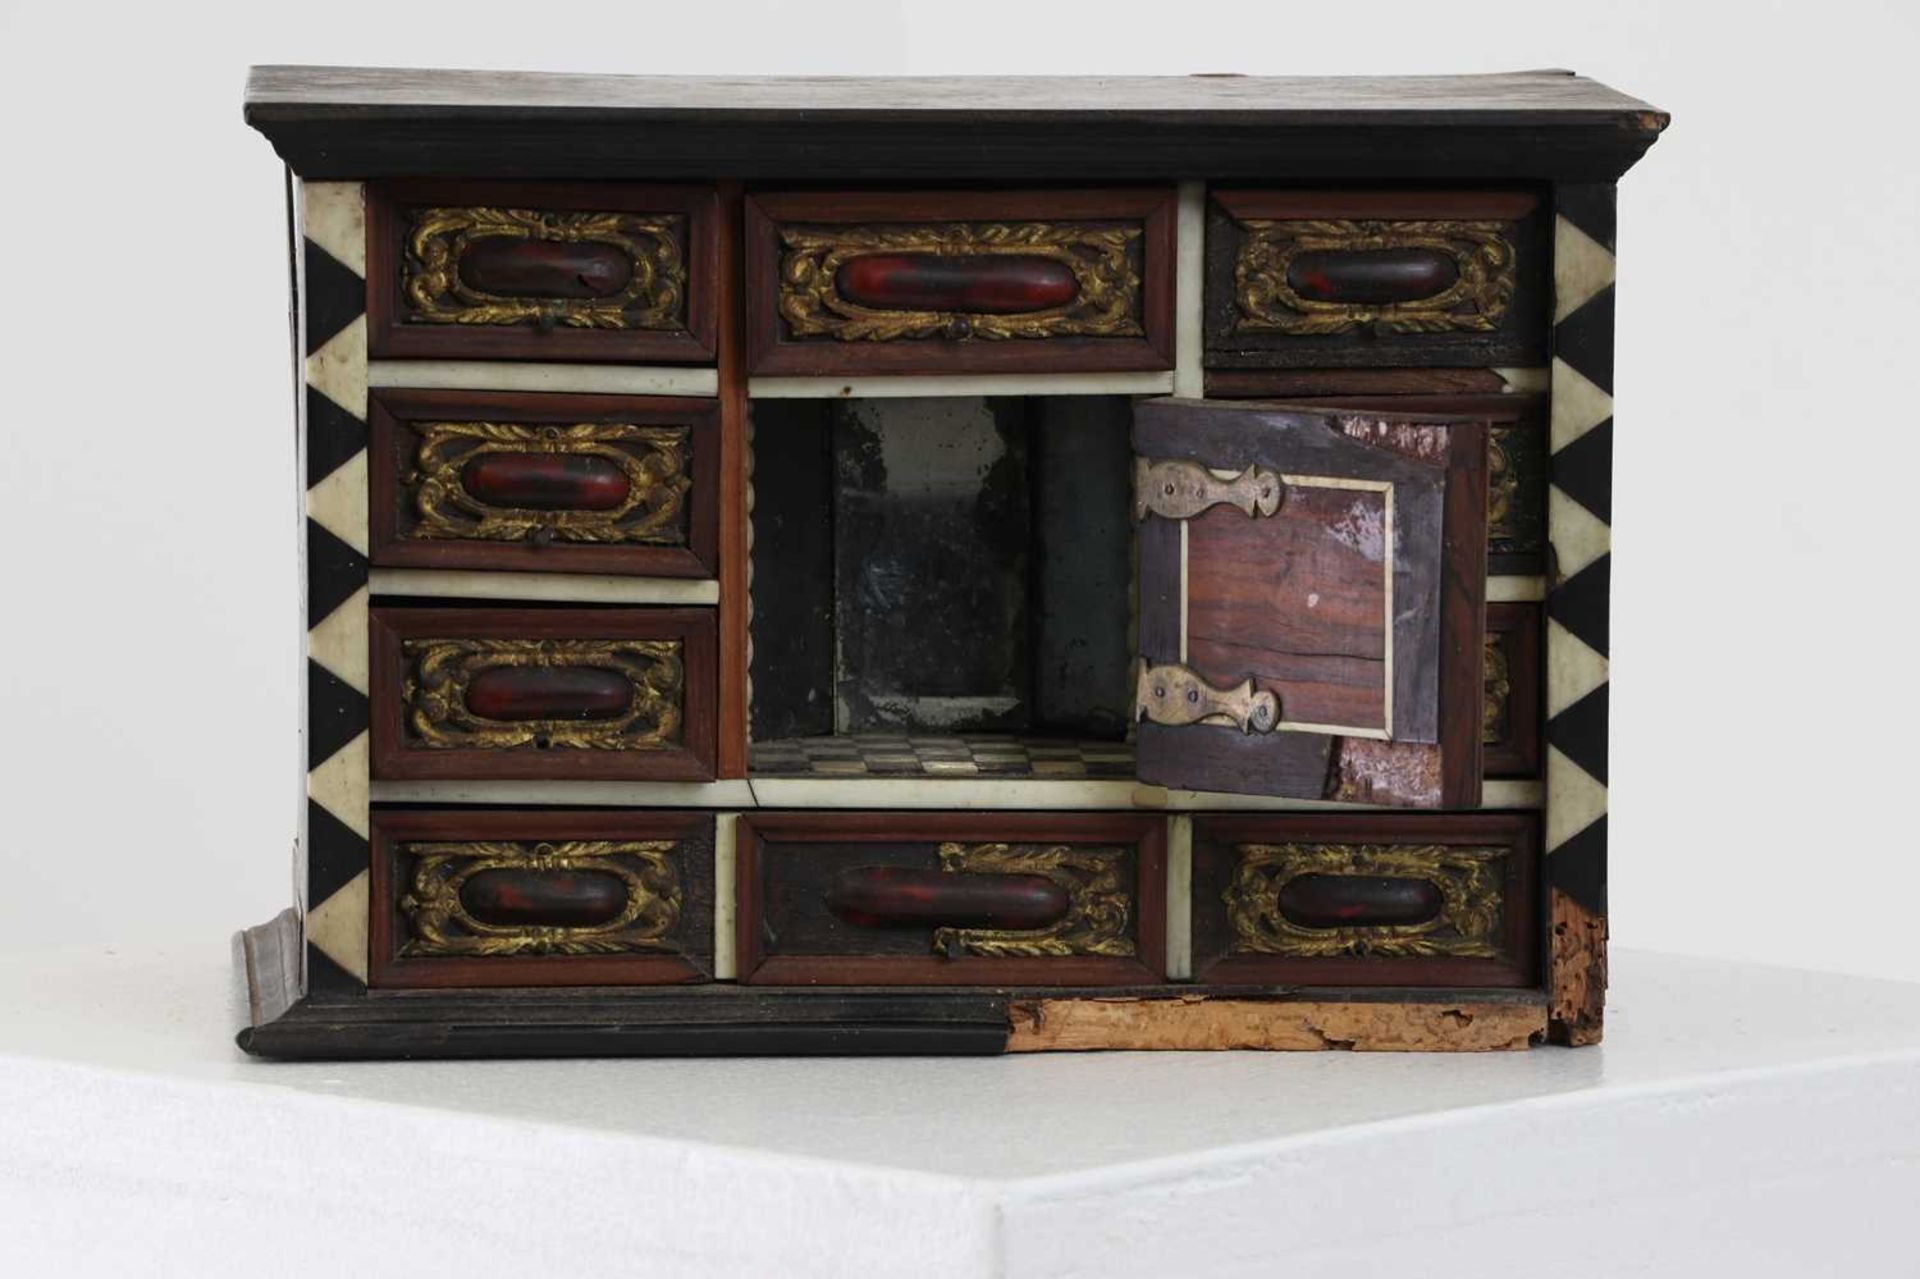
(546,481)
(509,267)
(549,692)
(1371,276)
(1347,901)
(557,898)
(896,897)
(985,284)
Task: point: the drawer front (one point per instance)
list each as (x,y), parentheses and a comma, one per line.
(616,693)
(1510,721)
(605,271)
(1333,279)
(940,899)
(1317,900)
(554,898)
(1065,281)
(550,483)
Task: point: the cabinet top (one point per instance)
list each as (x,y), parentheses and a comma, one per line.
(373,122)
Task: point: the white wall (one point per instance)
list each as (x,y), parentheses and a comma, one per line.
(1766,457)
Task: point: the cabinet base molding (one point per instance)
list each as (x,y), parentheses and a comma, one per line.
(727,1020)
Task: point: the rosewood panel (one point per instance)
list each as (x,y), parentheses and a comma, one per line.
(1330,278)
(1311,589)
(1415,900)
(543,693)
(544,483)
(615,272)
(1511,716)
(554,898)
(951,899)
(959,281)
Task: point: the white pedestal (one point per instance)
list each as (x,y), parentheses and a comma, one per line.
(1738,1121)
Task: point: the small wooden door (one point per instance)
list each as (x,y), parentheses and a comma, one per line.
(1312,601)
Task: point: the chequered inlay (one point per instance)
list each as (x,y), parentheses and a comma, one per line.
(1579,514)
(900,755)
(333,442)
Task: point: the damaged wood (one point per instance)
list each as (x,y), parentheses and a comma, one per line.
(1195,1022)
(1579,972)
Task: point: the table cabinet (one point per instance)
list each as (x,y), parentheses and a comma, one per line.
(941,566)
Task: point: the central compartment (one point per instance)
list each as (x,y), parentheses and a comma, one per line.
(942,580)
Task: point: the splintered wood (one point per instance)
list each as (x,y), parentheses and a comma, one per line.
(1198,1023)
(1579,972)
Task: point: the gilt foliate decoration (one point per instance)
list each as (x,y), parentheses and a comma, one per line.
(1467,924)
(1103,257)
(439,672)
(1266,300)
(653,245)
(653,459)
(440,924)
(1098,913)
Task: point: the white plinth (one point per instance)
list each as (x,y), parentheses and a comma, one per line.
(1739,1121)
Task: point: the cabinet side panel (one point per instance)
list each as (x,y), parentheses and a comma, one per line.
(1579,512)
(331,324)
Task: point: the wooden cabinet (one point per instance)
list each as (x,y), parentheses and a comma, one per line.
(1403,900)
(945,899)
(464,898)
(934,566)
(1305,278)
(547,483)
(602,271)
(554,693)
(959,281)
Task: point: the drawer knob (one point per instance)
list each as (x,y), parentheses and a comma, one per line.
(898,897)
(511,267)
(546,481)
(984,284)
(558,898)
(1349,901)
(549,692)
(1371,276)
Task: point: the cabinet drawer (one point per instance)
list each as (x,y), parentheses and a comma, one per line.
(605,271)
(1056,281)
(1343,278)
(1428,900)
(494,898)
(1510,719)
(951,899)
(611,693)
(549,483)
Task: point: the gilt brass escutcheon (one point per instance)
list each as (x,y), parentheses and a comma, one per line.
(1173,694)
(1179,490)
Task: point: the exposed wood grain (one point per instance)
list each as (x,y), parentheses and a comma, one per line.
(1578,975)
(1196,1022)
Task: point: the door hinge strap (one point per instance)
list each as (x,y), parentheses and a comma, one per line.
(1174,694)
(1177,489)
